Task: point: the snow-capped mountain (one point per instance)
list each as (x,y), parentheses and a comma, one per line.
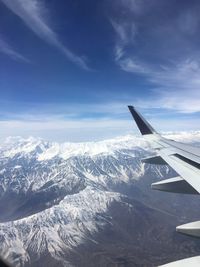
(55,198)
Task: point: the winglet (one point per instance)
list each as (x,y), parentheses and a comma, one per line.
(143,125)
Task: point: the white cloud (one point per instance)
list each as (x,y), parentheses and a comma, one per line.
(134,66)
(61,122)
(6,49)
(126,31)
(125,35)
(174,83)
(66,130)
(136,7)
(32,12)
(118,51)
(176,86)
(105,121)
(87,122)
(88,129)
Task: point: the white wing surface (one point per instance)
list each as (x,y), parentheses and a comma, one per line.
(194,261)
(183,158)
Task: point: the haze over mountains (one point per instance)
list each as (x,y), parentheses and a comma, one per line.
(90,204)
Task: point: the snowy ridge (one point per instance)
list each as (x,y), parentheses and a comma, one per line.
(67,150)
(55,196)
(51,230)
(48,150)
(15,145)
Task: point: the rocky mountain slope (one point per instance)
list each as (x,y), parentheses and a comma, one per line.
(89,204)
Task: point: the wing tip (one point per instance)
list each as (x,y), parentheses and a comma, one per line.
(143,125)
(131,107)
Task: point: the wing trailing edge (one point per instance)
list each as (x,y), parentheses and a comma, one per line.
(174,185)
(154,160)
(192,229)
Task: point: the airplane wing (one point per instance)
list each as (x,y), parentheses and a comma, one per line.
(193,261)
(183,158)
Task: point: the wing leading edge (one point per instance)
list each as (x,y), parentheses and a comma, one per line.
(183,158)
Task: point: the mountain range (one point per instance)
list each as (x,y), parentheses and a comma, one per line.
(90,204)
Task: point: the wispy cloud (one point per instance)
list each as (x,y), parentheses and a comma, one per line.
(62,111)
(165,52)
(6,49)
(136,7)
(134,66)
(125,24)
(126,33)
(32,12)
(175,86)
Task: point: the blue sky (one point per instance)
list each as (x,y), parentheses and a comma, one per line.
(68,69)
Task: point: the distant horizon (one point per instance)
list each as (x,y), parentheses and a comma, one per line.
(136,134)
